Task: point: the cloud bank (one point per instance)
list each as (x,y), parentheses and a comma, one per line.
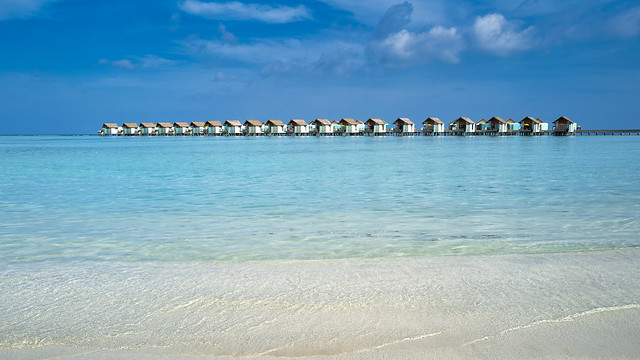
(239,11)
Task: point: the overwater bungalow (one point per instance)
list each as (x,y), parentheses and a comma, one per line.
(482,125)
(274,127)
(512,125)
(253,127)
(348,126)
(497,124)
(298,126)
(164,128)
(462,124)
(564,124)
(376,126)
(322,126)
(110,129)
(534,125)
(404,125)
(360,126)
(233,127)
(147,128)
(213,127)
(433,125)
(130,129)
(335,124)
(197,127)
(181,128)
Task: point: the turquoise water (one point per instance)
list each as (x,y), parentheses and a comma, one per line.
(175,199)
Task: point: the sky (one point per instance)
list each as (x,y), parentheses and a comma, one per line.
(67,66)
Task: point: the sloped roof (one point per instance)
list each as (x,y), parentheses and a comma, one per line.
(298,122)
(347,121)
(213,123)
(181,124)
(147,125)
(433,119)
(497,118)
(376,121)
(403,121)
(465,119)
(481,121)
(359,122)
(232,123)
(321,121)
(130,125)
(253,123)
(565,119)
(164,125)
(274,122)
(197,123)
(533,120)
(109,126)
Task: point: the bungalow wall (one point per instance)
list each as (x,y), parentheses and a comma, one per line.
(234,129)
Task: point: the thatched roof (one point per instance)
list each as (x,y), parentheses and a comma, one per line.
(335,122)
(232,123)
(498,119)
(164,125)
(481,121)
(359,122)
(403,121)
(130,125)
(253,123)
(563,119)
(298,122)
(346,121)
(213,123)
(109,126)
(462,118)
(274,123)
(433,120)
(531,119)
(376,121)
(147,125)
(321,122)
(180,124)
(197,124)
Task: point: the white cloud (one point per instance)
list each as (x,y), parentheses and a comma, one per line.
(146,62)
(21,9)
(627,23)
(238,11)
(495,34)
(439,43)
(370,11)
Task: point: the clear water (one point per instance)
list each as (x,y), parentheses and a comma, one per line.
(317,246)
(158,199)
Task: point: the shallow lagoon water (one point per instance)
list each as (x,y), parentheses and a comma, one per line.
(347,247)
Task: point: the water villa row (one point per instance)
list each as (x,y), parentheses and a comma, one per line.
(324,127)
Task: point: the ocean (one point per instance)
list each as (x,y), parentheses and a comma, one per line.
(331,247)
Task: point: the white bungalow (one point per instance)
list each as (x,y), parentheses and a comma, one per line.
(497,124)
(322,126)
(433,125)
(348,126)
(534,125)
(404,125)
(197,127)
(233,127)
(274,127)
(298,126)
(462,124)
(376,126)
(164,128)
(130,129)
(482,125)
(180,128)
(147,128)
(335,124)
(253,127)
(512,125)
(213,127)
(564,124)
(360,126)
(109,129)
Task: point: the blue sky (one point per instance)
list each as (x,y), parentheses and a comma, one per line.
(67,66)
